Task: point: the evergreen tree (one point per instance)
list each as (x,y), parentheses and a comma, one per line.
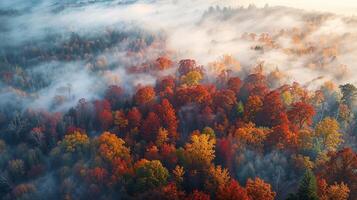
(307,188)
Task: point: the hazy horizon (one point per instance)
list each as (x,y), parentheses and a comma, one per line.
(344,7)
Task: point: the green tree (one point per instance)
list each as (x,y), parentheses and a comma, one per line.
(307,188)
(149,175)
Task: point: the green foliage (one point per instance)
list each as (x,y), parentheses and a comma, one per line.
(149,175)
(308,187)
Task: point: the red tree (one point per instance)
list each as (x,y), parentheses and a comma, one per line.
(342,168)
(234,84)
(150,127)
(168,117)
(145,95)
(232,191)
(134,117)
(301,113)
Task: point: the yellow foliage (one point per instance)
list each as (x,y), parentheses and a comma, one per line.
(251,135)
(178,173)
(162,137)
(201,149)
(75,142)
(217,177)
(192,78)
(338,192)
(110,147)
(328,132)
(303,162)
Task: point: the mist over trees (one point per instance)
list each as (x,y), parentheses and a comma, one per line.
(125,112)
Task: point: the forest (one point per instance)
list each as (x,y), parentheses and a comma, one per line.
(184,138)
(123,112)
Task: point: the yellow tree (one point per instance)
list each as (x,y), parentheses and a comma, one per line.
(327,132)
(191,78)
(259,190)
(251,135)
(75,142)
(200,151)
(110,147)
(332,192)
(217,177)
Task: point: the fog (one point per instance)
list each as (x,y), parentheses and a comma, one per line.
(303,45)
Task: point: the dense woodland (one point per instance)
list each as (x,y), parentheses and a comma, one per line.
(187,138)
(188,130)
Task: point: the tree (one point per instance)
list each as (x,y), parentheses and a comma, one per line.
(252,108)
(225,99)
(187,65)
(167,114)
(332,192)
(349,94)
(114,94)
(272,108)
(232,191)
(217,177)
(200,151)
(145,95)
(111,147)
(308,187)
(75,142)
(327,132)
(198,195)
(234,84)
(259,190)
(191,78)
(105,119)
(301,114)
(196,94)
(134,117)
(16,169)
(281,136)
(251,135)
(104,114)
(342,168)
(149,175)
(120,119)
(150,127)
(254,84)
(162,63)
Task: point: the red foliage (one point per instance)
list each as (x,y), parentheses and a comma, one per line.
(168,154)
(150,127)
(167,114)
(342,168)
(186,66)
(166,82)
(234,84)
(252,108)
(254,84)
(105,119)
(98,176)
(196,94)
(225,152)
(114,94)
(145,95)
(301,113)
(162,63)
(225,99)
(134,117)
(272,110)
(198,195)
(232,191)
